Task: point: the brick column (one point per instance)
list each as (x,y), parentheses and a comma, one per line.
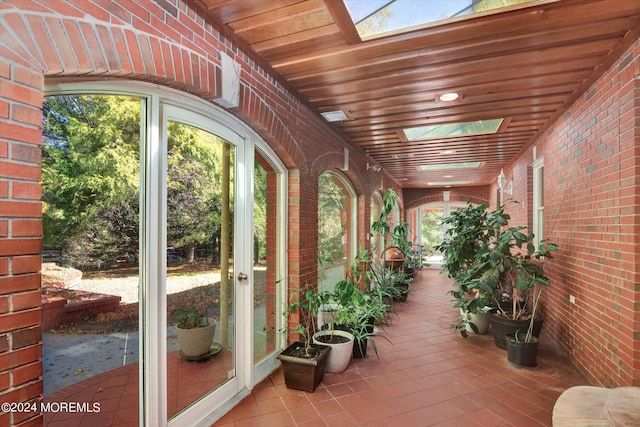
(20,239)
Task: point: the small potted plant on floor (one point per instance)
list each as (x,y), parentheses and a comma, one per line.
(374,311)
(357,313)
(337,332)
(474,308)
(383,285)
(522,347)
(304,362)
(195,330)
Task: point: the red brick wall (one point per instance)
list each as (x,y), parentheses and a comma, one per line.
(20,236)
(592,165)
(162,42)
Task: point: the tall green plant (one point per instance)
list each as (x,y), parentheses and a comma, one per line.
(306,302)
(488,259)
(389,201)
(465,235)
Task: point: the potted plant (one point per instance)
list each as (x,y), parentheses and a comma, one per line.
(383,280)
(364,330)
(465,237)
(522,348)
(413,261)
(336,333)
(488,258)
(392,255)
(195,330)
(473,317)
(358,314)
(402,282)
(304,362)
(521,265)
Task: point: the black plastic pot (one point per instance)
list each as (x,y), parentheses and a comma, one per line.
(360,349)
(404,292)
(522,354)
(502,326)
(303,373)
(359,345)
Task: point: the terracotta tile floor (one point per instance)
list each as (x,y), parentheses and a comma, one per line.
(429,376)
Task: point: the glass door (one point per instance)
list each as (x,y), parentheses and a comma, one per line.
(207,255)
(200,263)
(190,219)
(433,231)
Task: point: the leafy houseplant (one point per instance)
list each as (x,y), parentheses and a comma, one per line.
(488,260)
(383,285)
(304,362)
(389,201)
(357,313)
(522,349)
(467,234)
(392,255)
(512,265)
(364,329)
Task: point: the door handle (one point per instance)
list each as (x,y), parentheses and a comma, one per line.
(242,277)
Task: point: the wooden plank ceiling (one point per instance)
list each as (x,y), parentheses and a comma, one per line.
(526,65)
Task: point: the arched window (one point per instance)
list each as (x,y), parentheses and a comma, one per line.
(337,205)
(377,239)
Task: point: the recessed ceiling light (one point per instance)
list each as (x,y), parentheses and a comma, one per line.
(448,152)
(447,176)
(335,116)
(449,96)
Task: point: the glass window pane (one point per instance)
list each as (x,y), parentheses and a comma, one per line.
(375,17)
(432,232)
(450,130)
(265,298)
(90,273)
(334,224)
(200,294)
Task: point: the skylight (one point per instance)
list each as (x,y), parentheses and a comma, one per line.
(445,166)
(451,130)
(374,18)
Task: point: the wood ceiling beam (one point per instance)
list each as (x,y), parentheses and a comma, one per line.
(534,20)
(467,51)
